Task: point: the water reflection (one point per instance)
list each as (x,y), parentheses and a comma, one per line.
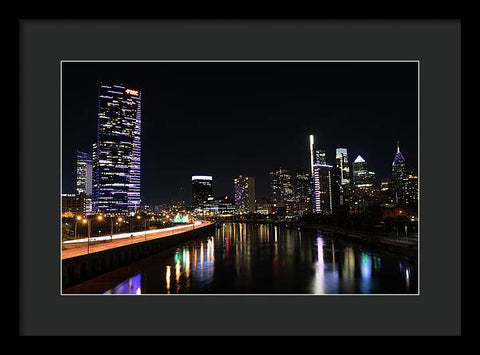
(318,282)
(405,270)
(131,286)
(267,259)
(167,278)
(366,272)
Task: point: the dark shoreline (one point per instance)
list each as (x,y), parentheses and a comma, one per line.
(380,242)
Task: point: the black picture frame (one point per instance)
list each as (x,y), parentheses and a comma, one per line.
(436,44)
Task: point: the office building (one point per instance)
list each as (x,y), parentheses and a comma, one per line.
(73,205)
(387,195)
(359,171)
(218,206)
(264,206)
(83,173)
(281,184)
(302,191)
(364,192)
(319,157)
(226,206)
(322,189)
(341,178)
(399,174)
(411,189)
(244,188)
(341,159)
(337,196)
(201,190)
(117,151)
(321,185)
(208,206)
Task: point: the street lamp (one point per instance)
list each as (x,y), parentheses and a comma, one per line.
(78,218)
(111,228)
(120,219)
(144,224)
(87,222)
(99,219)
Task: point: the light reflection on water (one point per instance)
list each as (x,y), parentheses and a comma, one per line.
(266,259)
(131,286)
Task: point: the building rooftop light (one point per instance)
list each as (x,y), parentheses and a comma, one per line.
(359,160)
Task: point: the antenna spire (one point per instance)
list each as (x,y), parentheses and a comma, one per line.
(398,146)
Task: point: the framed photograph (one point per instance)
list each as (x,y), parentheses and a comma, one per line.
(274,210)
(261,175)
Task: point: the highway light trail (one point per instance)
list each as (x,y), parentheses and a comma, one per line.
(128,235)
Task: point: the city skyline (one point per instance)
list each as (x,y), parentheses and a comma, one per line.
(223,153)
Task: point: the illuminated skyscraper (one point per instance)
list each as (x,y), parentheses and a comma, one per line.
(312,152)
(244,187)
(337,189)
(399,174)
(319,157)
(201,190)
(321,180)
(117,151)
(387,193)
(341,158)
(364,193)
(341,178)
(322,189)
(302,191)
(411,189)
(281,185)
(360,172)
(83,173)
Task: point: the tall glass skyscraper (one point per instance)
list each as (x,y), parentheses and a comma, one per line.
(117,151)
(341,158)
(83,173)
(399,174)
(322,189)
(364,193)
(303,191)
(341,178)
(244,187)
(360,171)
(319,157)
(201,190)
(321,180)
(281,184)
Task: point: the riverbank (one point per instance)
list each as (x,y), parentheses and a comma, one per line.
(407,246)
(404,245)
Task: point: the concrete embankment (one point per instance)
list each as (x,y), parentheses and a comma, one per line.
(84,267)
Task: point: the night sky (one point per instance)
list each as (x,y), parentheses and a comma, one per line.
(231,118)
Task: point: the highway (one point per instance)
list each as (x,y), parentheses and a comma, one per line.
(77,247)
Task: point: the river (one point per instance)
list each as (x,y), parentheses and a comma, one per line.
(262,259)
